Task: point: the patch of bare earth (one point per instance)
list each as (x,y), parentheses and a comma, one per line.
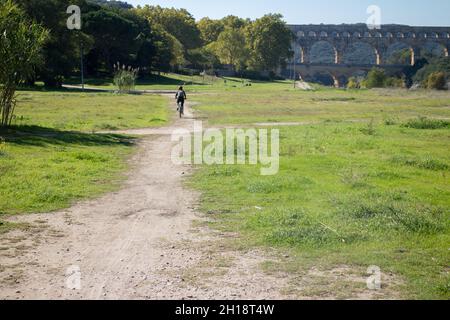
(139,243)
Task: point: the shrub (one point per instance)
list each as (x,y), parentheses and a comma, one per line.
(376,78)
(437,81)
(21,41)
(394,82)
(426,123)
(125,78)
(353,83)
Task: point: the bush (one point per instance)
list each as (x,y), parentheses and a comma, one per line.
(394,82)
(437,81)
(426,123)
(353,83)
(125,78)
(376,78)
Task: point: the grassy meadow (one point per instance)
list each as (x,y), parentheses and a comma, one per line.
(52,156)
(364,180)
(364,174)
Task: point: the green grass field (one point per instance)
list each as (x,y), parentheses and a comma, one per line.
(51,157)
(65,110)
(363,177)
(370,192)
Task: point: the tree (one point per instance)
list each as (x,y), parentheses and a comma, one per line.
(210,30)
(61,51)
(376,78)
(269,40)
(231,48)
(178,22)
(21,41)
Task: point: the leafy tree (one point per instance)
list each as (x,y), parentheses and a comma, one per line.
(269,41)
(21,42)
(118,36)
(231,48)
(203,58)
(178,22)
(61,51)
(376,78)
(234,22)
(210,29)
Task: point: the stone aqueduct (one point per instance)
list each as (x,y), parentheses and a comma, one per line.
(347,50)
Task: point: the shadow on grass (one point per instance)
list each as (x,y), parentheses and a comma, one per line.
(41,136)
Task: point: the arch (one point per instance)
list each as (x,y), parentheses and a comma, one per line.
(312,34)
(410,35)
(346,34)
(433,49)
(323,52)
(299,54)
(434,35)
(325,78)
(446,35)
(301,34)
(400,35)
(335,34)
(361,53)
(399,53)
(389,35)
(367,35)
(323,34)
(356,35)
(423,35)
(378,35)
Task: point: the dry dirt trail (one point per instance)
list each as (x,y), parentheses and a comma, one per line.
(137,243)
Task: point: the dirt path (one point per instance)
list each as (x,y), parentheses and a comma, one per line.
(136,243)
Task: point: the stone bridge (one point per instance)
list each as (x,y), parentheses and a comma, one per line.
(340,51)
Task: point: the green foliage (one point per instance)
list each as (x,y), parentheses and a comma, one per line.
(178,22)
(269,41)
(61,52)
(210,29)
(353,83)
(231,48)
(427,123)
(376,78)
(434,65)
(437,81)
(21,41)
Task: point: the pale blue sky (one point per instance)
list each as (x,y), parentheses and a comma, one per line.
(412,12)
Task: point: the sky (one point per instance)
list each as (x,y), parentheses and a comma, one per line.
(411,12)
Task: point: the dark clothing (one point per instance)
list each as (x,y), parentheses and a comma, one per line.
(181,96)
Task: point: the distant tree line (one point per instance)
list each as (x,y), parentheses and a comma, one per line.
(153,39)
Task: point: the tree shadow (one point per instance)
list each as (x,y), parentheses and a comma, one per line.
(41,137)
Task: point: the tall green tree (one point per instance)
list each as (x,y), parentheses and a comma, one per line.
(61,51)
(269,41)
(178,22)
(231,48)
(210,30)
(21,41)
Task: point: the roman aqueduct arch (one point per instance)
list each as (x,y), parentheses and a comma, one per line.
(350,46)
